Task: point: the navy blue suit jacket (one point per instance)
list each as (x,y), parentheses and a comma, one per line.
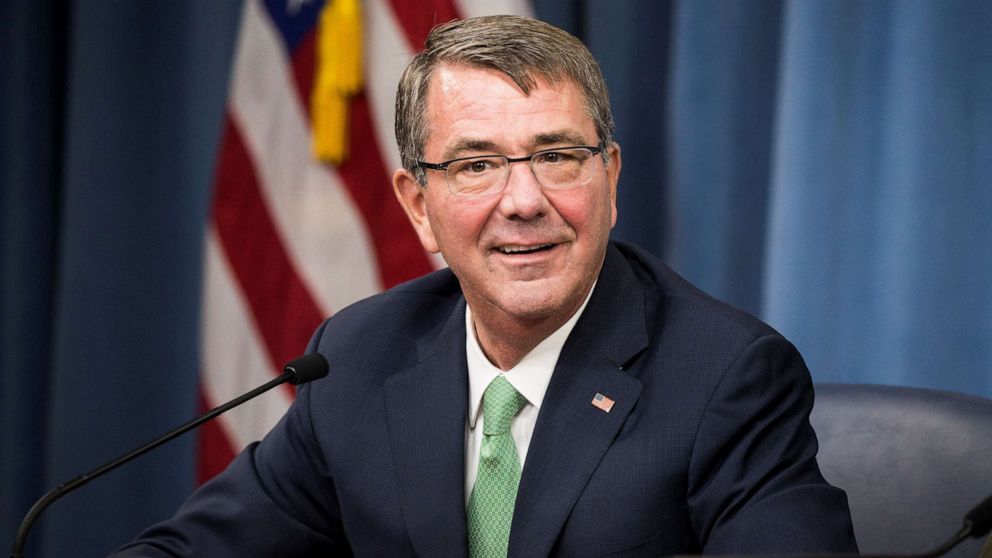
(708,447)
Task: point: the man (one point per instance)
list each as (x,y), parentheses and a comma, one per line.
(552,393)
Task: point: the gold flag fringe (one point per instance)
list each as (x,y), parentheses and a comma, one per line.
(338,77)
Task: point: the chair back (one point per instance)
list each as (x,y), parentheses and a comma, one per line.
(913,462)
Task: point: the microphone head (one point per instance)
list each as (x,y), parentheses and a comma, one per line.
(307,368)
(980,518)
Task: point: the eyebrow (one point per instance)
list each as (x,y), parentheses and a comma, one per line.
(468,144)
(567,137)
(556,137)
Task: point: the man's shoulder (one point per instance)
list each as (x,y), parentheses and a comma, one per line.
(384,332)
(416,301)
(676,304)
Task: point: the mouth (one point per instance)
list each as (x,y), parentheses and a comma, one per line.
(516,250)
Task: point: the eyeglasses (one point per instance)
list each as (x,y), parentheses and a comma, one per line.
(562,168)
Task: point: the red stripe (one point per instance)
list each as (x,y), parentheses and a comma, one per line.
(214,448)
(401,256)
(284,312)
(418,18)
(398,251)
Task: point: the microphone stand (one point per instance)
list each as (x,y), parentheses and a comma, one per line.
(65,488)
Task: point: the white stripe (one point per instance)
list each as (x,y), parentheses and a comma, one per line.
(387,53)
(473,8)
(321,229)
(232,359)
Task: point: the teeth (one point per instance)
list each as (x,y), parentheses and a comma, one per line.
(522,249)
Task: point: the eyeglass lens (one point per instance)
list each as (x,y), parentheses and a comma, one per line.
(559,169)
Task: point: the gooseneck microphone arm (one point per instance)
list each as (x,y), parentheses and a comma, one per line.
(300,370)
(977,523)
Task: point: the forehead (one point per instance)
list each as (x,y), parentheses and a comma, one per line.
(466,104)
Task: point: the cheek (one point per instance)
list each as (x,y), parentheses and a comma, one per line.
(456,225)
(590,214)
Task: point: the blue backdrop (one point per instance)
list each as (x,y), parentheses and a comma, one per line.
(826,166)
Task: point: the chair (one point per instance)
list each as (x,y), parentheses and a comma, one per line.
(913,462)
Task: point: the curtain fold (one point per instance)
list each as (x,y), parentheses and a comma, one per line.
(31,84)
(879,256)
(102,251)
(725,75)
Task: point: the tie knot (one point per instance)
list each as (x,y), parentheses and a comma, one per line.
(500,404)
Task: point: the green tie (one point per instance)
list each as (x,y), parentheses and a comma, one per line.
(490,508)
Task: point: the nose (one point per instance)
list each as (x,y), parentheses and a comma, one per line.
(523,197)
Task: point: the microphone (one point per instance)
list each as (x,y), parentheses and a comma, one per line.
(977,522)
(306,368)
(980,518)
(300,370)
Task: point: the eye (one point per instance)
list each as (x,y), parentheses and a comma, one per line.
(473,166)
(553,157)
(478,165)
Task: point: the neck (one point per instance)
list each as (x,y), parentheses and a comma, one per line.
(505,345)
(506,339)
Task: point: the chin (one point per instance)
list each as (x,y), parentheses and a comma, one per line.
(532,304)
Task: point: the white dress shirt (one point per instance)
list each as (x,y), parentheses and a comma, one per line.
(530,377)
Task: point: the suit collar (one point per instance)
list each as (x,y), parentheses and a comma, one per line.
(615,319)
(571,435)
(425,407)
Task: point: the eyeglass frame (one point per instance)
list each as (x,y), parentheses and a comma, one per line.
(443,165)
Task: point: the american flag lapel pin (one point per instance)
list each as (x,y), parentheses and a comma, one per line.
(602,402)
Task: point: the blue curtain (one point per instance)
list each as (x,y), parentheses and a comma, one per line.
(824,165)
(112,112)
(31,80)
(879,232)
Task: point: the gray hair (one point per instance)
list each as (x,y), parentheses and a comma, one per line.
(521,48)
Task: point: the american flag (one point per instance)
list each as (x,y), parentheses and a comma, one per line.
(602,402)
(290,240)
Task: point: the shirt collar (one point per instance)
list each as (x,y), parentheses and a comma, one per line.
(530,377)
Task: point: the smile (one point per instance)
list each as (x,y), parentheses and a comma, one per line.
(513,250)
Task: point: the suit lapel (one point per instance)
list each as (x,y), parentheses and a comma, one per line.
(426,407)
(571,434)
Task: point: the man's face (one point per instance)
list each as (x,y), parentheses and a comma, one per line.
(525,253)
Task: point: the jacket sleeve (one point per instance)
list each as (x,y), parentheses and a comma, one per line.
(754,485)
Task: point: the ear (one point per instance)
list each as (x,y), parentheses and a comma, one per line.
(411,196)
(613,176)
